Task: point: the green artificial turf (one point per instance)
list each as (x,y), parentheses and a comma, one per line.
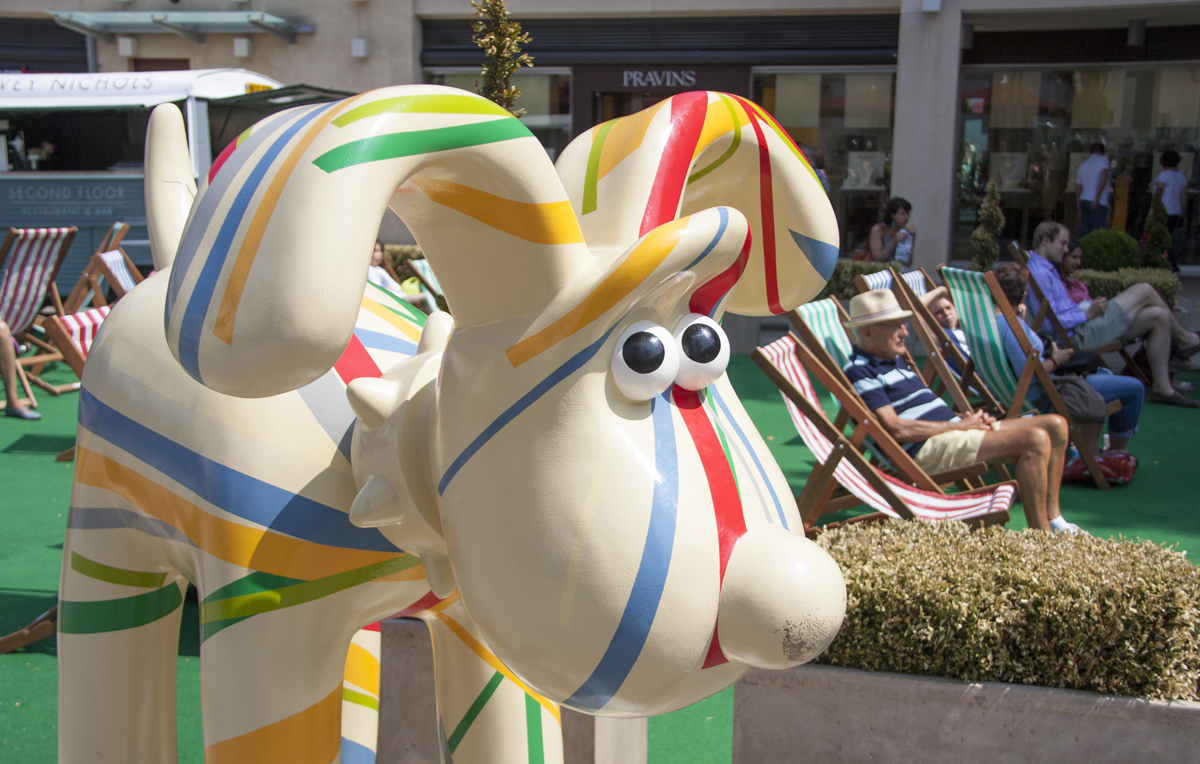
(1158,505)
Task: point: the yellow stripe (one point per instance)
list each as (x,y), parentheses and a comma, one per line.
(312,736)
(227,313)
(625,137)
(628,276)
(362,669)
(547,223)
(717,122)
(495,663)
(397,321)
(253,548)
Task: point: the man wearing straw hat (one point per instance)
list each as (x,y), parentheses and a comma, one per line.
(931,433)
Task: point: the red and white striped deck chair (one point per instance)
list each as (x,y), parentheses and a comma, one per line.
(29,261)
(73,335)
(841,464)
(109,263)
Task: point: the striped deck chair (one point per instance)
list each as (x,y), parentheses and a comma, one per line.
(977,295)
(1021,257)
(918,280)
(73,335)
(81,294)
(841,464)
(29,261)
(429,283)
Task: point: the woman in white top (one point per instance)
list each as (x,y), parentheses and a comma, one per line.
(378,275)
(893,238)
(1091,190)
(1174,187)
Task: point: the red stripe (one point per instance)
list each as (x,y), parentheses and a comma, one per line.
(220,160)
(727,505)
(426,602)
(372,627)
(706,297)
(356,362)
(766,199)
(688,111)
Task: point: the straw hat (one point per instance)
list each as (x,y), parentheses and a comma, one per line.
(874,307)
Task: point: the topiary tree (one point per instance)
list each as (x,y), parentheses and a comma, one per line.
(991,225)
(1107,249)
(1156,237)
(501,40)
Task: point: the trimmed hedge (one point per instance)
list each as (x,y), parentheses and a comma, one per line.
(1110,616)
(1108,249)
(1106,284)
(395,253)
(841,283)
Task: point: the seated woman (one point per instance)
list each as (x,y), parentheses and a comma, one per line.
(1123,424)
(893,238)
(941,307)
(378,275)
(8,371)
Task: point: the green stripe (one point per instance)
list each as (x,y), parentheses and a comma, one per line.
(109,574)
(255,603)
(724,443)
(402,308)
(360,698)
(469,718)
(592,178)
(422,104)
(115,615)
(533,729)
(252,584)
(969,290)
(733,147)
(396,145)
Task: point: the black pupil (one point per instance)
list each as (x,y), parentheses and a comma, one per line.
(701,343)
(643,352)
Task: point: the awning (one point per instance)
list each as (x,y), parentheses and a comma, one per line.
(193,25)
(105,90)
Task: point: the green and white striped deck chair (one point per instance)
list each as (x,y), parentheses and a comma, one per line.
(917,280)
(977,296)
(819,324)
(429,282)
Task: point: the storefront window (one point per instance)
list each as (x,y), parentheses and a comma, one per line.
(842,120)
(545,97)
(1029,130)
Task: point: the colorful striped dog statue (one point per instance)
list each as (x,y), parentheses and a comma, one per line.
(559,480)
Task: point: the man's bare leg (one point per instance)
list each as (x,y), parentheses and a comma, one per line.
(8,366)
(1140,296)
(1154,323)
(1038,445)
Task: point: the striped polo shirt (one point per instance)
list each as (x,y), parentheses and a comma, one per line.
(892,383)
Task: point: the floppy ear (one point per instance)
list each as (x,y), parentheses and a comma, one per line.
(169,185)
(271,268)
(700,150)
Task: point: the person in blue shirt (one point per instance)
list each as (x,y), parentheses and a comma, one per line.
(1138,312)
(934,435)
(1123,424)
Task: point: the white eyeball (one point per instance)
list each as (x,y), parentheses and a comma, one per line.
(645,361)
(704,352)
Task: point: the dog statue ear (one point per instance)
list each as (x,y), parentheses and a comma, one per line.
(700,150)
(169,186)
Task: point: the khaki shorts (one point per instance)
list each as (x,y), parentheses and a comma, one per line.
(956,448)
(1103,329)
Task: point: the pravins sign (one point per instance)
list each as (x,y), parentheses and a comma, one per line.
(682,78)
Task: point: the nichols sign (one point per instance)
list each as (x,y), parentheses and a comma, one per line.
(681,78)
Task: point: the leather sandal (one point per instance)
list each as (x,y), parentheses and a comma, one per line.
(1174,399)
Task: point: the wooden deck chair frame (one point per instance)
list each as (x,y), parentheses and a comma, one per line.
(1021,257)
(1033,368)
(814,357)
(49,353)
(73,355)
(822,494)
(87,289)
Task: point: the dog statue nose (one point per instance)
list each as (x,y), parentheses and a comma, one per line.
(782,601)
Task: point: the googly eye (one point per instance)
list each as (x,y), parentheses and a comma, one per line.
(645,362)
(704,352)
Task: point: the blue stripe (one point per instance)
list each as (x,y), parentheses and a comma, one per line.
(356,753)
(381,341)
(211,200)
(746,442)
(642,606)
(235,492)
(108,518)
(206,284)
(712,244)
(558,375)
(821,255)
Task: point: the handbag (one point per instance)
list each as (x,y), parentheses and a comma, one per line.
(1083,403)
(1081,362)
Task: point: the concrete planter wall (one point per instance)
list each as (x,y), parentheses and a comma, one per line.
(826,714)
